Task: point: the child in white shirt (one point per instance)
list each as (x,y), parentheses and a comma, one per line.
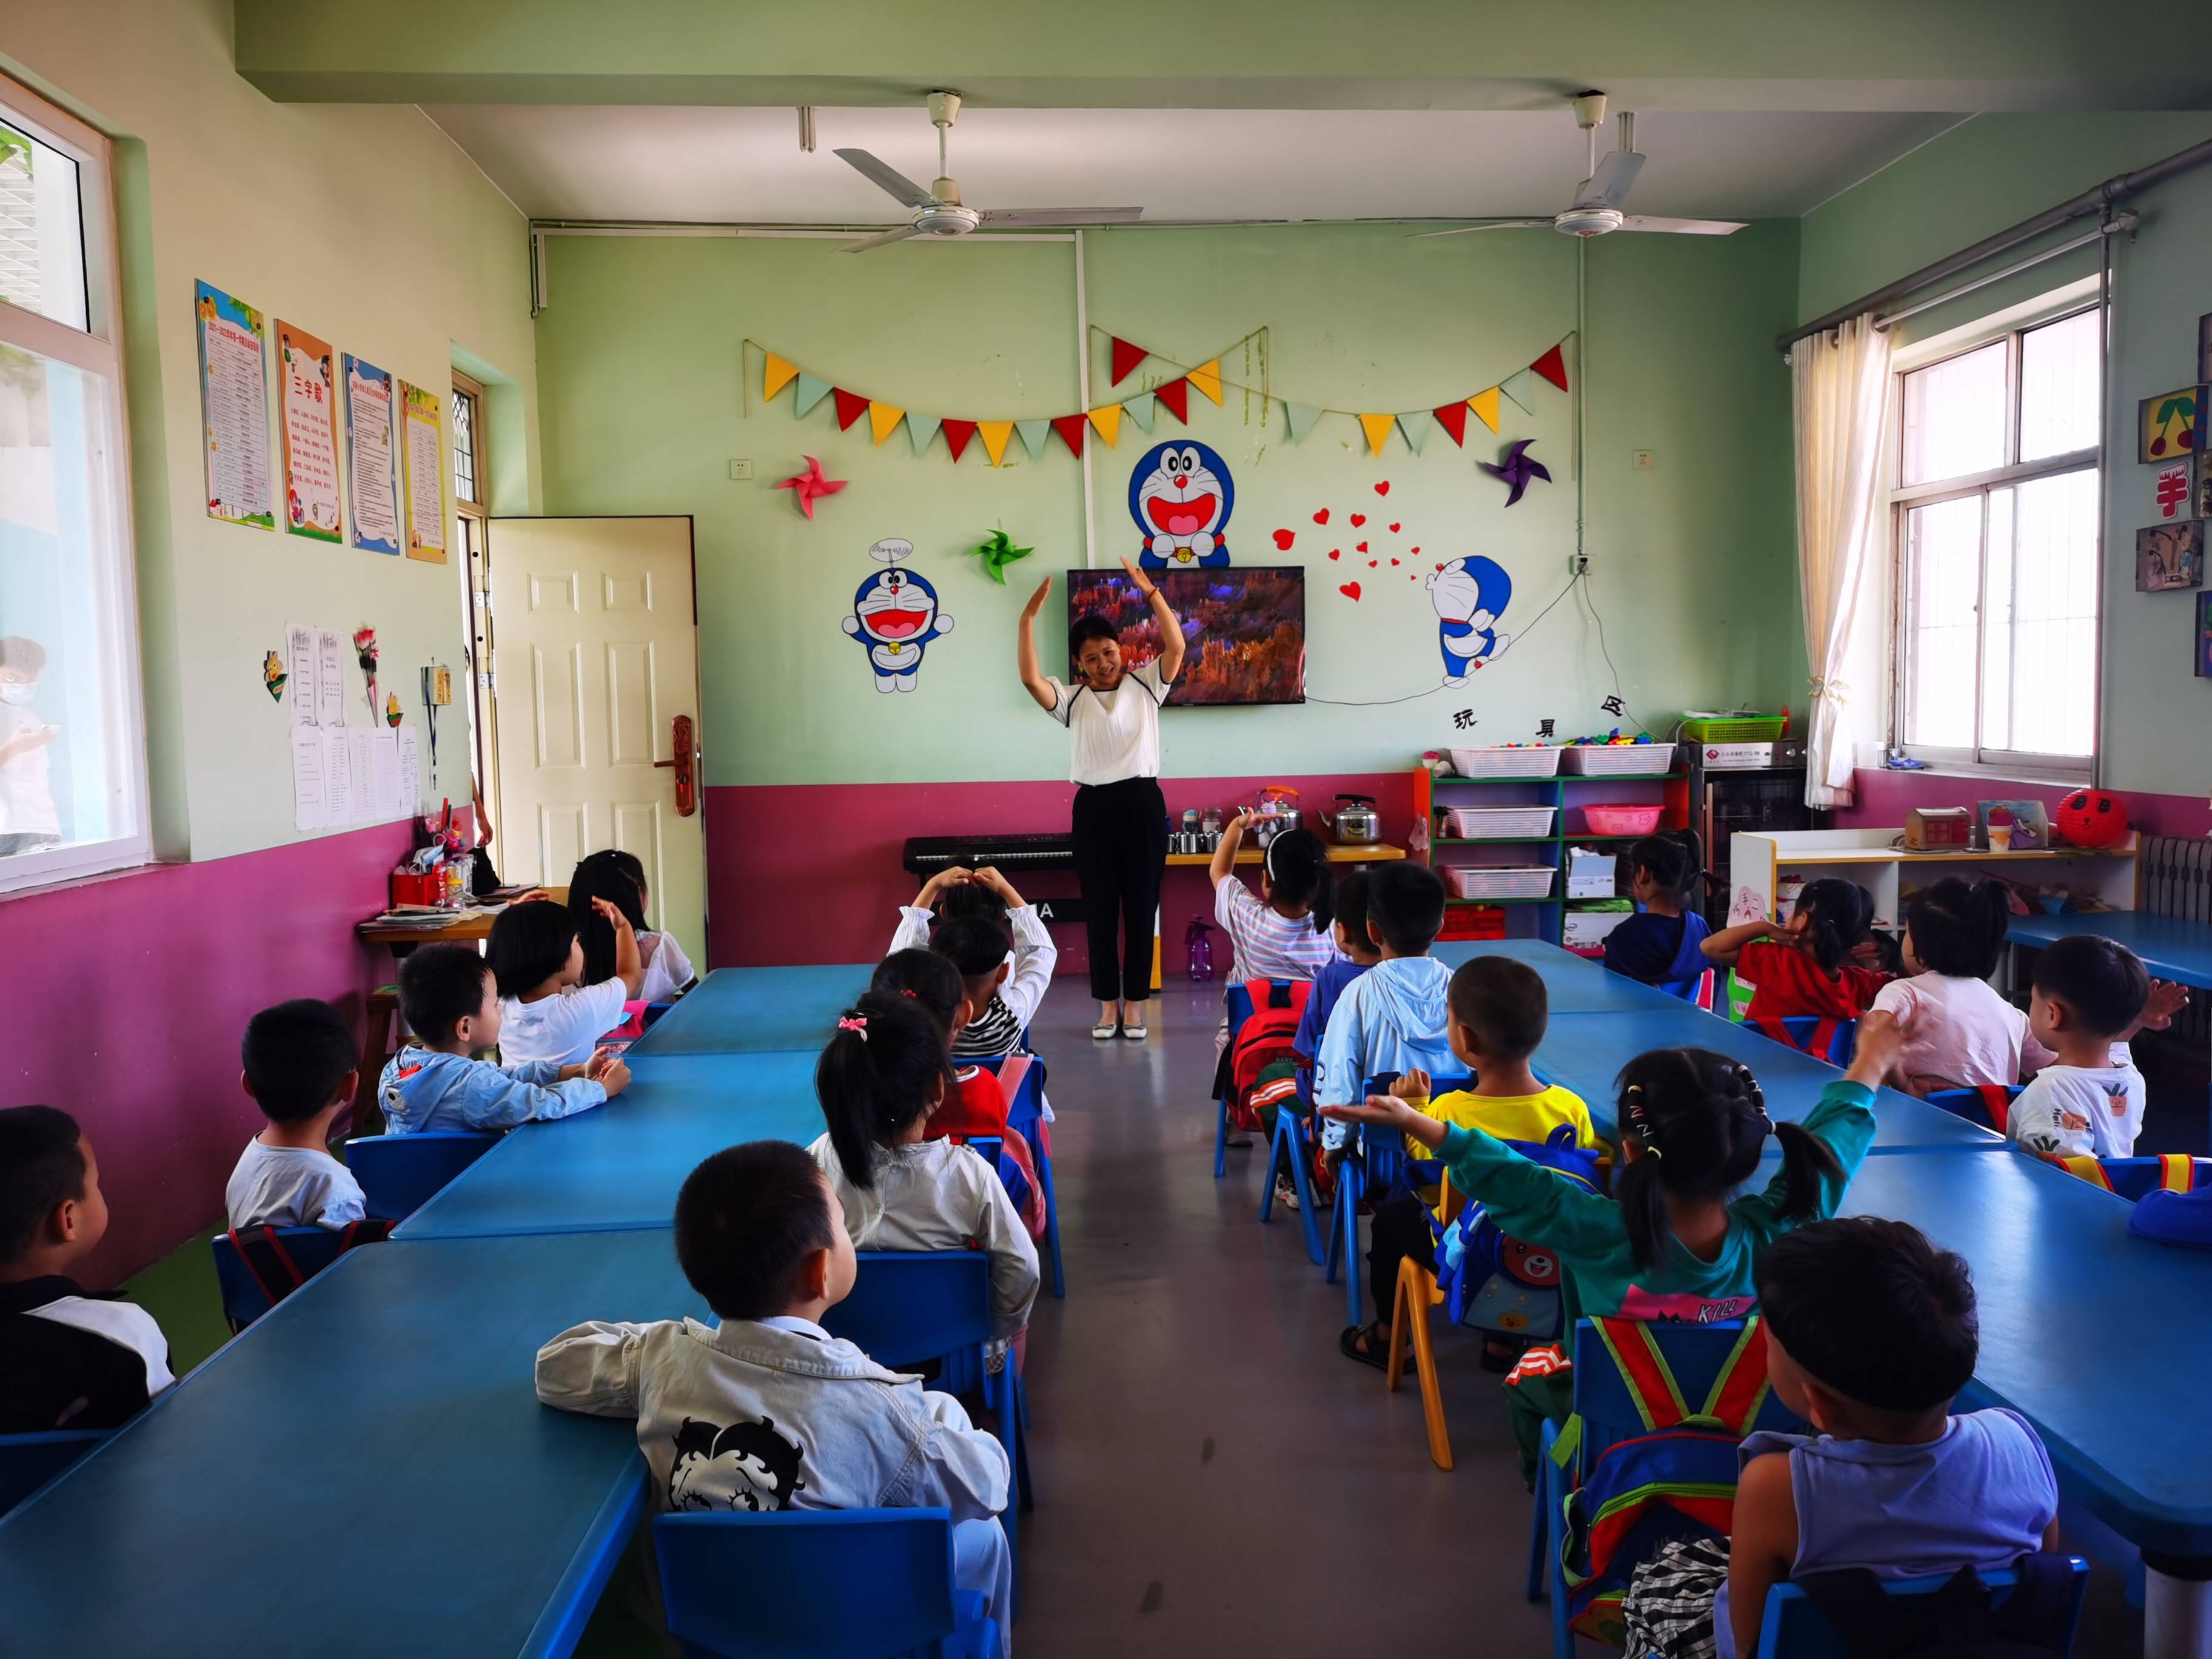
(767,1411)
(299,1068)
(1958,1033)
(546,1012)
(619,877)
(1283,931)
(2088,998)
(1003,988)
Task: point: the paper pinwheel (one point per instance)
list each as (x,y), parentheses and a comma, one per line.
(1517,470)
(997,552)
(811,485)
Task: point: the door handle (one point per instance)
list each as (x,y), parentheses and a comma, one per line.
(681,749)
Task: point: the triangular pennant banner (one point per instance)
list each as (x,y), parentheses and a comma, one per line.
(1552,367)
(1299,418)
(1453,418)
(1485,405)
(851,405)
(1377,427)
(1126,357)
(1139,410)
(1034,434)
(1106,417)
(811,393)
(921,429)
(995,434)
(882,419)
(1417,424)
(1070,428)
(957,435)
(1175,397)
(777,375)
(1516,387)
(1206,377)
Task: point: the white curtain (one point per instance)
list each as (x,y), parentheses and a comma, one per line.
(1842,397)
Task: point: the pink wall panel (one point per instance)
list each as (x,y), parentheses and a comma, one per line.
(1884,797)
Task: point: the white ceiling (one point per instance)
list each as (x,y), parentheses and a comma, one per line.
(743,165)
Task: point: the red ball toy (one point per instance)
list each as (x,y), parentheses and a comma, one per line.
(2093,818)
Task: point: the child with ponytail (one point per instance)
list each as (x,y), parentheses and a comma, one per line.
(1806,966)
(884,1074)
(1283,931)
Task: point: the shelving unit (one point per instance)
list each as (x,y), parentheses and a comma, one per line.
(1891,875)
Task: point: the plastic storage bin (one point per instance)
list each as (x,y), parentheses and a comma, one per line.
(1528,761)
(1742,728)
(1620,818)
(1473,921)
(1498,822)
(1616,760)
(1502,881)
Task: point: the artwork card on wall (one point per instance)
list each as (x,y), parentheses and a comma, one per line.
(372,479)
(1181,494)
(2204,636)
(234,408)
(2170,556)
(306,399)
(2168,424)
(425,450)
(2172,490)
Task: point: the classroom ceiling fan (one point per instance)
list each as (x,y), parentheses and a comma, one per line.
(939,210)
(1596,209)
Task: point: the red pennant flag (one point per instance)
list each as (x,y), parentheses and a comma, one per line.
(1552,367)
(957,435)
(1126,357)
(851,405)
(1175,395)
(1453,418)
(1070,428)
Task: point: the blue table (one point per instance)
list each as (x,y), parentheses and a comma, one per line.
(619,1166)
(2170,947)
(1576,985)
(365,1472)
(757,1010)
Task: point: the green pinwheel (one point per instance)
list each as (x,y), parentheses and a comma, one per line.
(997,552)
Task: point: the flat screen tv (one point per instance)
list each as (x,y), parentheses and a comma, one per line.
(1244,629)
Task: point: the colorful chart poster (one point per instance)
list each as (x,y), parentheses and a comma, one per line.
(426,475)
(370,463)
(234,408)
(306,397)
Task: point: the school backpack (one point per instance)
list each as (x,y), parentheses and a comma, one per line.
(1494,1283)
(2035,1621)
(1266,1035)
(1676,1480)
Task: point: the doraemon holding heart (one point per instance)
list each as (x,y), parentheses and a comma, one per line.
(1470,595)
(894,614)
(1181,495)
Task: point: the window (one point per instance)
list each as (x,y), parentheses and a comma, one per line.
(72,752)
(1996,537)
(471,482)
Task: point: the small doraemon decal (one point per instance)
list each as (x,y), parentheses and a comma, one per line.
(744,1466)
(1470,596)
(894,614)
(1181,494)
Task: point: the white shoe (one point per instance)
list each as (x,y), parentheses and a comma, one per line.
(1136,1033)
(1103,1031)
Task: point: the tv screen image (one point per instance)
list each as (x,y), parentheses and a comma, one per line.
(1244,629)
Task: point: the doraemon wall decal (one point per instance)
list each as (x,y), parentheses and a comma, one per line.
(894,614)
(1181,494)
(1470,596)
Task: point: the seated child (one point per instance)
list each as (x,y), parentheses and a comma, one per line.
(1356,954)
(546,1012)
(1283,931)
(300,1070)
(2088,998)
(1660,944)
(765,1410)
(1807,967)
(1871,1331)
(975,910)
(619,878)
(1391,1018)
(1495,1015)
(447,998)
(67,1359)
(882,1076)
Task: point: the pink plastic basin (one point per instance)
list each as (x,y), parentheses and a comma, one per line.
(1621,820)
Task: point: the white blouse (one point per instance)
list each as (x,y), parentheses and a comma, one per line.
(1117,733)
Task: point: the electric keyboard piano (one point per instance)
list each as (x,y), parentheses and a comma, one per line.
(925,855)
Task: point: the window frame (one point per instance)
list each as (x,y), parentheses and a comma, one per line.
(473,516)
(97,351)
(1980,759)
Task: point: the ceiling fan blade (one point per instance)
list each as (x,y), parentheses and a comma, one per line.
(898,235)
(1609,186)
(889,178)
(1487,224)
(1683,226)
(1062,215)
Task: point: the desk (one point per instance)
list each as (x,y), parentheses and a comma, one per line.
(618,1166)
(738,1011)
(457,1517)
(2170,947)
(1574,984)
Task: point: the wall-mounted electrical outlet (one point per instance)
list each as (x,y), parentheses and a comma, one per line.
(742,471)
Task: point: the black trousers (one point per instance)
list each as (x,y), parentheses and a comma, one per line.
(1120,833)
(1399,1228)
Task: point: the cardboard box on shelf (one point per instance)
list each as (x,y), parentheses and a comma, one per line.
(1591,874)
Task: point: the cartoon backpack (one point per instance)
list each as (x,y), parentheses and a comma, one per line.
(1676,1480)
(1266,1035)
(1494,1283)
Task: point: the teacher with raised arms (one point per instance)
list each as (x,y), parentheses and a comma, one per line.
(1112,713)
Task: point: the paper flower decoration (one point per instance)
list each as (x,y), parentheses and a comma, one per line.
(1517,469)
(809,485)
(273,676)
(997,552)
(364,648)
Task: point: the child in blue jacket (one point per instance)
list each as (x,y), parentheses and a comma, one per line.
(1391,1018)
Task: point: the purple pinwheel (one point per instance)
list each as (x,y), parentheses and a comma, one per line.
(1518,468)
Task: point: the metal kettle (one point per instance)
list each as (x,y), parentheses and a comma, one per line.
(1356,822)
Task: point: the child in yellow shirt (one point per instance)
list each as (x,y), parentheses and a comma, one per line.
(1495,1015)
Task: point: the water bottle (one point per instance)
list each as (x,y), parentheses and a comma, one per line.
(1201,949)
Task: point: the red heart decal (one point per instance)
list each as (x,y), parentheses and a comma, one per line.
(1440,567)
(1358,520)
(1335,552)
(1416,550)
(1394,529)
(1371,563)
(1350,589)
(1322,517)
(1393,561)
(1382,489)
(1363,547)
(1283,540)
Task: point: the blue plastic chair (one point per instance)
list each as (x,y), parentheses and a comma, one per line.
(1799,1031)
(2133,1177)
(1371,1163)
(1290,1151)
(1981,1107)
(1794,1627)
(1024,1113)
(28,1461)
(400,1173)
(310,1249)
(817,1585)
(1697,989)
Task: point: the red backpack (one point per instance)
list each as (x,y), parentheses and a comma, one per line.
(1266,1035)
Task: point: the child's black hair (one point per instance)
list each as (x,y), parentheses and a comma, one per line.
(885,1066)
(1086,627)
(2103,981)
(1872,1310)
(619,878)
(41,1166)
(746,1220)
(529,944)
(441,985)
(1297,864)
(1350,902)
(1670,860)
(1701,1123)
(1503,1002)
(1840,911)
(1959,927)
(295,1056)
(16,652)
(974,945)
(1406,906)
(972,898)
(930,979)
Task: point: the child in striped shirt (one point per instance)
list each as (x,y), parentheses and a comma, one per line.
(1283,932)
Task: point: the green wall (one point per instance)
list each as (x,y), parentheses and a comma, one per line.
(643,402)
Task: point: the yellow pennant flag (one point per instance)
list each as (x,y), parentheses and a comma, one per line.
(1485,405)
(1206,377)
(995,434)
(1106,417)
(882,419)
(777,375)
(1377,427)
